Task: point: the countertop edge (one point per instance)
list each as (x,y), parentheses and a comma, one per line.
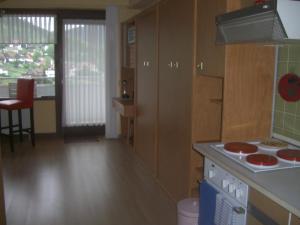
(201,149)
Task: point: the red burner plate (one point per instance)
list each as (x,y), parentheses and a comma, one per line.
(240,148)
(262,160)
(292,155)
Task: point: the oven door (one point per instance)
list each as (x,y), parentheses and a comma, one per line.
(216,208)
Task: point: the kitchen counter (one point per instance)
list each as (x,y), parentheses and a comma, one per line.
(282,186)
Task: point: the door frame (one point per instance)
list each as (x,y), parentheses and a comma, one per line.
(66,15)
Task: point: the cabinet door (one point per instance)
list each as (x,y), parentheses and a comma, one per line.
(210,57)
(295,220)
(176,47)
(146,86)
(207,108)
(263,210)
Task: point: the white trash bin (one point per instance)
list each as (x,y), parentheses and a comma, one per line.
(188,211)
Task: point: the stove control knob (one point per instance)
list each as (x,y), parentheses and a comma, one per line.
(225,183)
(239,193)
(211,173)
(231,188)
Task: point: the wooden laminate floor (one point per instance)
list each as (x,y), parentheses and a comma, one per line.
(82,182)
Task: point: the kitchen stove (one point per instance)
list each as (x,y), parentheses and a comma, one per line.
(258,157)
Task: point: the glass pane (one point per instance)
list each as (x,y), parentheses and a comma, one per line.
(84,69)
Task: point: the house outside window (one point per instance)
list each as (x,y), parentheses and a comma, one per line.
(27,44)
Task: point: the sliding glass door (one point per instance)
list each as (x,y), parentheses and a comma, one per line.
(83,73)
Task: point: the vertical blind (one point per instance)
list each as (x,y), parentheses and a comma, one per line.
(27,29)
(84,70)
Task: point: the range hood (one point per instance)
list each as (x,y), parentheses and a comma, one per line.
(275,21)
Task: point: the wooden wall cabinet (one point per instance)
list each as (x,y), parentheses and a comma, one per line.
(210,58)
(146,89)
(248,88)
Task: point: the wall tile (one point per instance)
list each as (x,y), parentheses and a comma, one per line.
(282,69)
(289,122)
(294,53)
(290,107)
(294,67)
(279,103)
(297,126)
(283,53)
(287,114)
(278,119)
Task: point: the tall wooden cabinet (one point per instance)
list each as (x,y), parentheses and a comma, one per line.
(176,19)
(199,91)
(146,88)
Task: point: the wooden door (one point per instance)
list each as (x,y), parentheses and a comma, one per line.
(146,86)
(175,87)
(2,207)
(210,56)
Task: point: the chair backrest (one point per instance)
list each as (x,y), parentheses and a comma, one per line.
(25,90)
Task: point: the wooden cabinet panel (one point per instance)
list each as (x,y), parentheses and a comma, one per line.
(175,88)
(248,92)
(268,210)
(207,108)
(295,220)
(146,86)
(210,55)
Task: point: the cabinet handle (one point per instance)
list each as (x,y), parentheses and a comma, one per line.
(147,63)
(144,63)
(176,65)
(200,66)
(171,64)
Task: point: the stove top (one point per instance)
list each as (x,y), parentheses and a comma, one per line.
(260,156)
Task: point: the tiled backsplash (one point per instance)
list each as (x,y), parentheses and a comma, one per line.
(286,114)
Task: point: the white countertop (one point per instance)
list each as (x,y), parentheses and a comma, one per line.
(282,186)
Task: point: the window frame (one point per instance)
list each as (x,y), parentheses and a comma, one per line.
(61,14)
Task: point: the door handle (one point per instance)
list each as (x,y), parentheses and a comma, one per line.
(171,64)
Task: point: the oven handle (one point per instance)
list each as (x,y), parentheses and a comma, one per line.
(260,215)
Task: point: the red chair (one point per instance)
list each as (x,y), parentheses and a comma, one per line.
(24,100)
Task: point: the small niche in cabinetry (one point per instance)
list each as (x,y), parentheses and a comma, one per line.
(129,44)
(127,78)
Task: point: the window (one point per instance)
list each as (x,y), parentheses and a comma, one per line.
(27,44)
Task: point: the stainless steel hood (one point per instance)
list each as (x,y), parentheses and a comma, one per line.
(275,21)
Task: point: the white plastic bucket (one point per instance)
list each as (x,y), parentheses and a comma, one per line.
(188,211)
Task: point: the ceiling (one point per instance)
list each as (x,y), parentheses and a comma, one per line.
(83,4)
(125,12)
